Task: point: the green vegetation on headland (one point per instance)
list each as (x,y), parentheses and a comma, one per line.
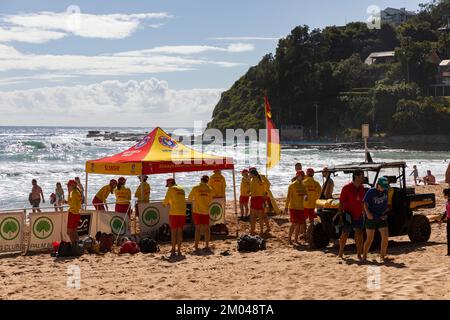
(325,69)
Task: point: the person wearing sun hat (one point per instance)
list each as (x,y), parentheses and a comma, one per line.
(294,205)
(201,195)
(123,197)
(376,208)
(74,201)
(176,200)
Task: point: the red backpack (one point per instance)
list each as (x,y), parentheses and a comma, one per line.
(129,247)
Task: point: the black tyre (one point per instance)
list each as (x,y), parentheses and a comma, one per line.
(420,229)
(316,236)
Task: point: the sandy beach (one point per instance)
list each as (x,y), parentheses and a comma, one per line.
(417,271)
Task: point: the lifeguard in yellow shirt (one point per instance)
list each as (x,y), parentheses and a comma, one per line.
(244,196)
(295,205)
(314,190)
(201,195)
(142,193)
(257,198)
(74,201)
(176,200)
(123,197)
(218,184)
(99,200)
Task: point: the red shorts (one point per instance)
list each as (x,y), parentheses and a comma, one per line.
(73,220)
(257,203)
(297,216)
(123,208)
(310,214)
(201,219)
(176,222)
(98,204)
(244,199)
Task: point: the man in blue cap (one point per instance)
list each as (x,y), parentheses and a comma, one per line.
(376,208)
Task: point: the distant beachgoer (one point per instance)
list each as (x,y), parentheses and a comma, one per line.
(429,179)
(123,197)
(351,212)
(294,205)
(257,198)
(376,208)
(244,197)
(60,199)
(447,215)
(102,195)
(415,174)
(81,188)
(218,184)
(176,200)
(447,175)
(298,167)
(142,196)
(201,195)
(74,201)
(314,190)
(329,188)
(35,196)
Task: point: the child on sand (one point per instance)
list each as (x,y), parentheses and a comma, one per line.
(415,174)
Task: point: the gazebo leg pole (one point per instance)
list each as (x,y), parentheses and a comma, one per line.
(86,192)
(235,204)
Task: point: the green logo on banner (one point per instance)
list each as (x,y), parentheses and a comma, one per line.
(117,225)
(43,228)
(9,228)
(151,216)
(215,211)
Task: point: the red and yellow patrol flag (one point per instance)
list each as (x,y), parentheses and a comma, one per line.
(273,138)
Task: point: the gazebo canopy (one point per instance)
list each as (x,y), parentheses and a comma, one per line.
(158,153)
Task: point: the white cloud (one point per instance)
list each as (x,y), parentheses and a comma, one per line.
(103,65)
(30,35)
(189,50)
(44,26)
(46,77)
(146,103)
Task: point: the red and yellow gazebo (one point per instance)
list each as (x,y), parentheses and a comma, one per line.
(158,153)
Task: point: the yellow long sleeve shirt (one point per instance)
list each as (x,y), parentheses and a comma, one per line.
(201,195)
(314,190)
(176,199)
(296,196)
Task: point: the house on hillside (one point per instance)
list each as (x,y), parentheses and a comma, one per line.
(444,72)
(395,17)
(380,57)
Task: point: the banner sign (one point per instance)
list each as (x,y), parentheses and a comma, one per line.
(217,211)
(152,216)
(45,228)
(85,224)
(11,232)
(113,222)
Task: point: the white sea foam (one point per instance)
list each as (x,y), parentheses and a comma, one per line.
(58,154)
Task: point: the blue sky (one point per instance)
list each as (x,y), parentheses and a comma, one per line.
(144,62)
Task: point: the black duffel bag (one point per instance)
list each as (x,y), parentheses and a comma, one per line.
(148,245)
(248,243)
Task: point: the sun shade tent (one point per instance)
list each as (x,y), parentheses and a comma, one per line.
(158,153)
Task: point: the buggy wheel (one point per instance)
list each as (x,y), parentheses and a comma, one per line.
(316,236)
(419,229)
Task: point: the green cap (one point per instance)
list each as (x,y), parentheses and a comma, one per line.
(383,182)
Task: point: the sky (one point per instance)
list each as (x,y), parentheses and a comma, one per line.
(143,63)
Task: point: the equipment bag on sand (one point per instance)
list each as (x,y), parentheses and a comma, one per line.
(106,242)
(148,245)
(248,243)
(219,229)
(129,247)
(163,234)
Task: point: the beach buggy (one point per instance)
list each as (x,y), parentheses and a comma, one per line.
(402,219)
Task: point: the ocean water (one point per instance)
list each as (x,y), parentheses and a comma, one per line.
(52,154)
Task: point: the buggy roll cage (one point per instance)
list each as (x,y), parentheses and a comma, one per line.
(368,167)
